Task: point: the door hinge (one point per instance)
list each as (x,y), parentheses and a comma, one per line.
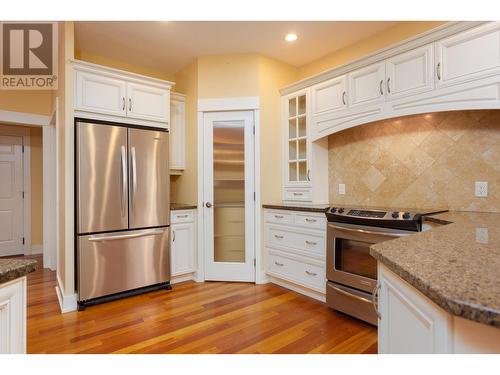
(254,130)
(22,148)
(23,194)
(254,262)
(254,195)
(23,240)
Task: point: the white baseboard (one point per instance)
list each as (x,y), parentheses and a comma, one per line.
(36,249)
(298,288)
(181,278)
(67,303)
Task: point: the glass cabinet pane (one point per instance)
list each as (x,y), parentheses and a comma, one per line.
(292,171)
(302,171)
(292,128)
(302,149)
(292,107)
(302,127)
(292,150)
(302,104)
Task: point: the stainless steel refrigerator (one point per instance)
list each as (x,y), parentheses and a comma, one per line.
(123,211)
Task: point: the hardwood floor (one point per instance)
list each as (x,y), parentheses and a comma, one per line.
(210,317)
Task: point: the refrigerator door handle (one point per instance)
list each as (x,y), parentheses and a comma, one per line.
(101,237)
(134,178)
(123,175)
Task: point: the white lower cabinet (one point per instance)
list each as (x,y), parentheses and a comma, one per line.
(410,323)
(13,316)
(295,250)
(182,245)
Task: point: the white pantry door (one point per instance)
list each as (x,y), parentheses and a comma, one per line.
(11,195)
(228,204)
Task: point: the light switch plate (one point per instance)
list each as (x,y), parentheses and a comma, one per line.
(482,235)
(481,188)
(342,189)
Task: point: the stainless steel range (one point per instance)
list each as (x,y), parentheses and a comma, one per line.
(350,269)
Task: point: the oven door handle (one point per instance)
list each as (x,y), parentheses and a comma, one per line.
(364,231)
(349,294)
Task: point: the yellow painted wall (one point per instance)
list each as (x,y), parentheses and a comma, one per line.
(184,187)
(30,101)
(36,186)
(385,38)
(123,65)
(228,76)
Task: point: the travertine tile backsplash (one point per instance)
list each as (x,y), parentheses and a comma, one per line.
(420,161)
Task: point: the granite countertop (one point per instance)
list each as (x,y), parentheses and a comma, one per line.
(456,265)
(298,207)
(13,268)
(182,206)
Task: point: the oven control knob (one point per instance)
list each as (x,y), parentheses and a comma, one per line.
(395,214)
(341,210)
(333,210)
(406,215)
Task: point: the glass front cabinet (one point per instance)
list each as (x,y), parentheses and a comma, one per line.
(299,151)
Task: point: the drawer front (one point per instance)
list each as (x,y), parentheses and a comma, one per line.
(310,221)
(309,244)
(278,217)
(304,274)
(297,195)
(181,216)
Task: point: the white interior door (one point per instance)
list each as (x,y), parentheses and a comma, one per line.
(228,204)
(11,195)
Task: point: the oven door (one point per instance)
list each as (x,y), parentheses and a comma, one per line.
(348,256)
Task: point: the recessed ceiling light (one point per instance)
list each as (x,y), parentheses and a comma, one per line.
(291,37)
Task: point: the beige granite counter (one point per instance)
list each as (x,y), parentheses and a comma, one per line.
(13,268)
(456,265)
(297,207)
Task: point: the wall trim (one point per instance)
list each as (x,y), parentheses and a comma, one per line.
(182,278)
(22,118)
(298,288)
(67,303)
(419,40)
(242,103)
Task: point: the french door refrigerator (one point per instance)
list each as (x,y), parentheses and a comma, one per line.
(123,211)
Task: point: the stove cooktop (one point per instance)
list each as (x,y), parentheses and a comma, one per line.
(387,218)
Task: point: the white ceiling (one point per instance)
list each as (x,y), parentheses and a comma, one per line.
(169,46)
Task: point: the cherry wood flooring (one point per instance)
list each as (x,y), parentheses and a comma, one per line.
(210,317)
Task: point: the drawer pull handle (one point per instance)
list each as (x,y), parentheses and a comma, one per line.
(278,216)
(311,243)
(297,194)
(279,264)
(311,220)
(311,273)
(277,236)
(182,216)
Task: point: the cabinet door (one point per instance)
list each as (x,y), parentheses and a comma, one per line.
(177,135)
(182,248)
(148,103)
(410,73)
(100,94)
(367,85)
(297,153)
(469,55)
(329,96)
(13,317)
(410,323)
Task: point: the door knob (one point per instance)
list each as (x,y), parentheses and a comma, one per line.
(208,205)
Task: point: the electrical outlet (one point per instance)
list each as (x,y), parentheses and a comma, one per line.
(482,235)
(481,188)
(342,189)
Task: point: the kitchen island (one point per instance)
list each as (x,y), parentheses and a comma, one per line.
(13,303)
(440,289)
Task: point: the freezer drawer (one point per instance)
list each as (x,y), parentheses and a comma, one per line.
(116,262)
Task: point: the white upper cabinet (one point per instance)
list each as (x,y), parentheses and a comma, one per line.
(468,55)
(366,85)
(103,93)
(177,132)
(97,93)
(148,103)
(410,73)
(329,96)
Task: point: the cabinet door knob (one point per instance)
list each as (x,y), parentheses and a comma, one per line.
(130,104)
(343,98)
(311,220)
(311,273)
(123,104)
(279,264)
(381,88)
(375,300)
(311,243)
(208,205)
(438,71)
(173,236)
(389,85)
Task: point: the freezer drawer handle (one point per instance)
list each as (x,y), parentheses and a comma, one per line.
(125,236)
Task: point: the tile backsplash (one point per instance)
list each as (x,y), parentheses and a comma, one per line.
(421,161)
